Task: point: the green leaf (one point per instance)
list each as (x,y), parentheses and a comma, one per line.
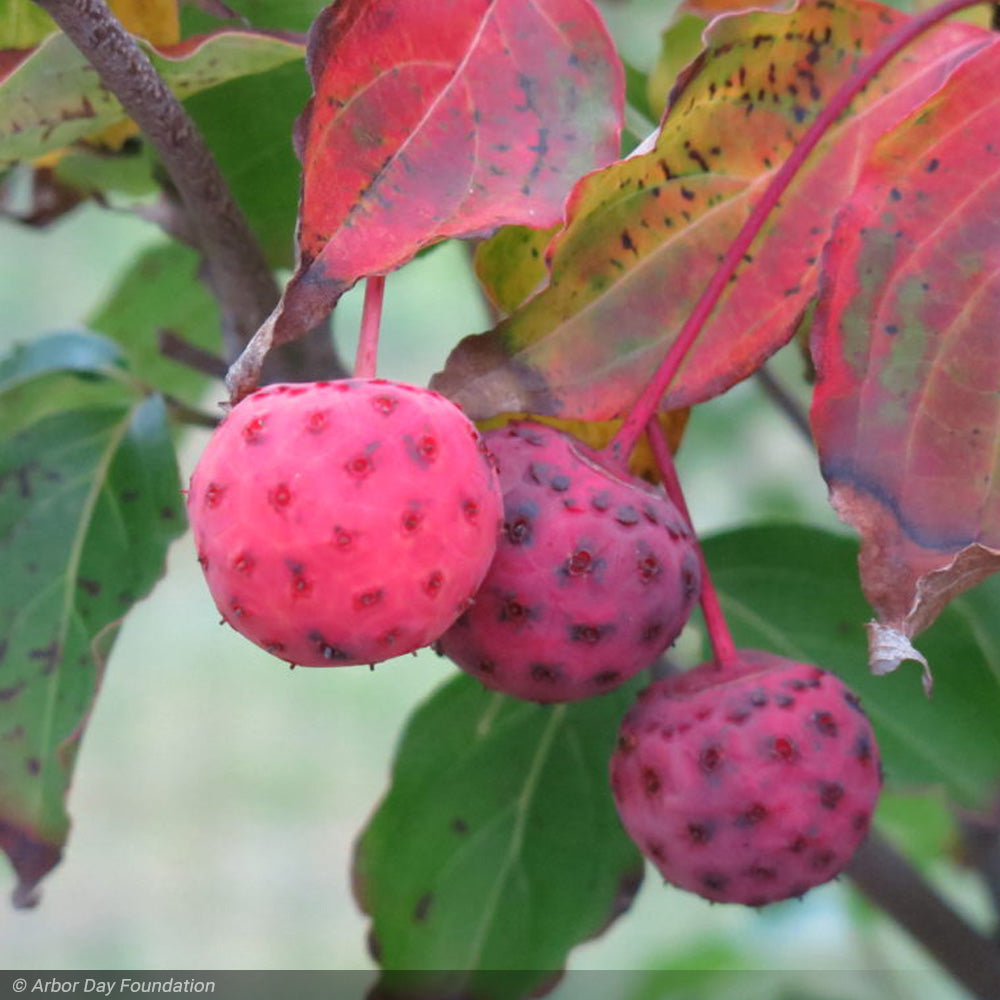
(795,591)
(51,96)
(89,500)
(161,291)
(23,24)
(248,126)
(498,846)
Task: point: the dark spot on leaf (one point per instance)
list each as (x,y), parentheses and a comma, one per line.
(33,766)
(47,655)
(91,587)
(422,908)
(459,825)
(9,693)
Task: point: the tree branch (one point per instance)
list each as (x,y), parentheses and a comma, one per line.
(238,271)
(896,887)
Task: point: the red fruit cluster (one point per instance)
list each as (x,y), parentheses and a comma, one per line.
(750,786)
(344,522)
(594,577)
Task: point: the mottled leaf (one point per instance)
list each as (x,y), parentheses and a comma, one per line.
(510,265)
(433,122)
(50,96)
(794,591)
(23,24)
(161,294)
(497,846)
(89,499)
(645,235)
(907,347)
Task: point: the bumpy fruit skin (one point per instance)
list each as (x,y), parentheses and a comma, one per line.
(344,522)
(751,790)
(594,576)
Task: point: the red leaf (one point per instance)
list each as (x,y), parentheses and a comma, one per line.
(443,120)
(906,412)
(645,234)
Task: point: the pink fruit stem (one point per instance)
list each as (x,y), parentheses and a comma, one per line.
(723,647)
(366,360)
(621,445)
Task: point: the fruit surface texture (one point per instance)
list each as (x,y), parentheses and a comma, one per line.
(749,788)
(595,575)
(344,522)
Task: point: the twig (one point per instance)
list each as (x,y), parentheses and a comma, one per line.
(981,842)
(238,271)
(176,348)
(897,888)
(785,402)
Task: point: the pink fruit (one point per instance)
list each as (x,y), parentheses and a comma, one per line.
(593,579)
(344,522)
(750,787)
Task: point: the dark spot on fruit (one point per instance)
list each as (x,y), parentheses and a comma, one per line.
(423,907)
(359,467)
(514,611)
(486,666)
(650,781)
(761,873)
(280,497)
(237,609)
(700,833)
(587,633)
(253,430)
(427,448)
(560,483)
(368,599)
(607,678)
(738,715)
(579,563)
(650,514)
(651,632)
(518,531)
(860,822)
(273,646)
(823,859)
(327,651)
(649,568)
(690,576)
(627,742)
(389,638)
(853,702)
(796,684)
(783,749)
(411,520)
(830,794)
(525,433)
(459,825)
(544,673)
(301,586)
(316,422)
(470,508)
(601,501)
(433,583)
(799,844)
(784,700)
(243,563)
(214,494)
(824,723)
(710,758)
(385,404)
(714,881)
(757,813)
(627,516)
(758,698)
(656,851)
(863,748)
(342,538)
